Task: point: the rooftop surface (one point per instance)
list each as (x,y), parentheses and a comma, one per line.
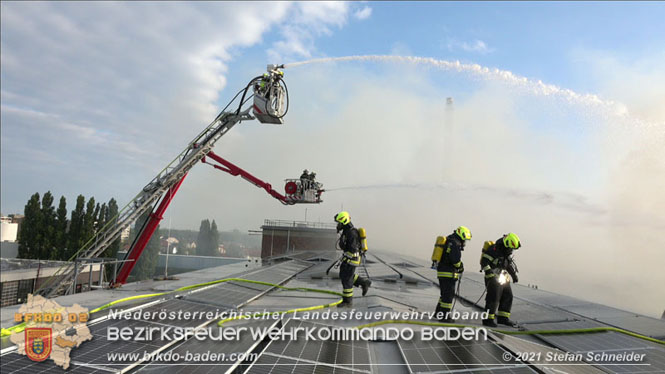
(400,284)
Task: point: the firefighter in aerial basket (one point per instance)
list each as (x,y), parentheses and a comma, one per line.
(500,270)
(447,260)
(350,243)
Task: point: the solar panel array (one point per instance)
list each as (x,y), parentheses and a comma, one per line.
(269,363)
(372,268)
(216,298)
(609,343)
(537,354)
(319,354)
(94,352)
(451,356)
(181,307)
(535,309)
(224,295)
(227,348)
(13,363)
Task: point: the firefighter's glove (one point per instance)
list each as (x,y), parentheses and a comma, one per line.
(460,269)
(434,265)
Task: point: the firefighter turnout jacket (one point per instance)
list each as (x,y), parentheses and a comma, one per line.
(496,258)
(450,265)
(349,242)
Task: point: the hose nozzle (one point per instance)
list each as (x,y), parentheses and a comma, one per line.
(273,67)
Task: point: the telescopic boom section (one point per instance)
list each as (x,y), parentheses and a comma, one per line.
(236,171)
(301,191)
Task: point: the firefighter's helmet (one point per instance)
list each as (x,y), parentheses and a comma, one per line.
(463,232)
(511,241)
(343,218)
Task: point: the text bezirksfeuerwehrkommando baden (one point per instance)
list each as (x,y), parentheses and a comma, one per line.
(308,333)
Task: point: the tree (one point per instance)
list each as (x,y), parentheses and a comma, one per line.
(96,224)
(30,236)
(203,243)
(102,218)
(110,218)
(214,239)
(76,228)
(147,262)
(61,229)
(47,228)
(111,214)
(88,227)
(47,234)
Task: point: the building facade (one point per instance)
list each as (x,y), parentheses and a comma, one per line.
(282,237)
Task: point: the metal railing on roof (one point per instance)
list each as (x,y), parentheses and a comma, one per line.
(298,224)
(9,264)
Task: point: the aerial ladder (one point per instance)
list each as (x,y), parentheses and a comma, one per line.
(269,104)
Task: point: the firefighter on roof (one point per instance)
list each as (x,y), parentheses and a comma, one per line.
(447,260)
(349,242)
(497,263)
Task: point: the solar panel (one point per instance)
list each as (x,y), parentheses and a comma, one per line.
(234,294)
(543,297)
(223,295)
(609,343)
(95,351)
(268,363)
(446,356)
(525,312)
(193,346)
(538,354)
(639,324)
(182,309)
(349,354)
(472,290)
(275,276)
(14,363)
(319,271)
(425,274)
(252,286)
(616,317)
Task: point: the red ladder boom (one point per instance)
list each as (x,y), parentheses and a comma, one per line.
(144,236)
(237,171)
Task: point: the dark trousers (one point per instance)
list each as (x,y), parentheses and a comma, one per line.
(447,289)
(349,278)
(498,296)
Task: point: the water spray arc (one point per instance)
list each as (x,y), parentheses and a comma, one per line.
(535,87)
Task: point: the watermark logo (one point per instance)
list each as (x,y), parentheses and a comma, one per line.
(51,330)
(38,343)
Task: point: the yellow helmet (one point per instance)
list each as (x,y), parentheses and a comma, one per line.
(343,218)
(511,241)
(463,232)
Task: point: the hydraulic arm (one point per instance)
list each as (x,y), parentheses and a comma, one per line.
(301,194)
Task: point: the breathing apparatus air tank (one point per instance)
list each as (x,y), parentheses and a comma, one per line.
(363,239)
(438,248)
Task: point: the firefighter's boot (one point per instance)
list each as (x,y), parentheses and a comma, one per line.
(446,316)
(347,302)
(438,312)
(365,286)
(506,321)
(489,323)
